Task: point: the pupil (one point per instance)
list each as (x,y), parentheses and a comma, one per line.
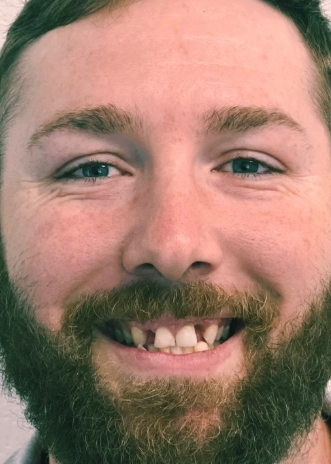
(245,165)
(95,170)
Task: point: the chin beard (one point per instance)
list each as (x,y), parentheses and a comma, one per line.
(259,419)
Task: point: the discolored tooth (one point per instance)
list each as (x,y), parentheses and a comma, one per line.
(186,336)
(209,334)
(201,346)
(163,338)
(119,335)
(165,349)
(176,350)
(152,348)
(139,336)
(188,349)
(127,337)
(216,343)
(141,347)
(219,333)
(225,333)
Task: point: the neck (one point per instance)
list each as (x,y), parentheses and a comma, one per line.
(316,449)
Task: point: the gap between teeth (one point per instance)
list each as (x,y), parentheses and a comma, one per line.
(185,341)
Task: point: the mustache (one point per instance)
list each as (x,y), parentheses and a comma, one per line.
(146,300)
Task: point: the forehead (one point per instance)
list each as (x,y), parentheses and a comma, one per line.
(173,59)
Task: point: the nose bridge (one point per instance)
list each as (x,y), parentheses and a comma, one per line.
(168,229)
(173,213)
(172,219)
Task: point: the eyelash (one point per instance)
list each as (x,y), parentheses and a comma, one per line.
(253,176)
(67,176)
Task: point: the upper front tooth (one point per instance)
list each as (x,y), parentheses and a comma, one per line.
(163,338)
(210,333)
(186,336)
(139,336)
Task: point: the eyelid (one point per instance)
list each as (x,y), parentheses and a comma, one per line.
(261,157)
(82,161)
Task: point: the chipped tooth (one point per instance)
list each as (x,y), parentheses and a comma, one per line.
(163,338)
(186,336)
(119,335)
(165,350)
(141,347)
(219,333)
(139,336)
(209,334)
(188,349)
(176,350)
(201,346)
(152,348)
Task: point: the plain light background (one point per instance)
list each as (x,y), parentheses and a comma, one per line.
(14,430)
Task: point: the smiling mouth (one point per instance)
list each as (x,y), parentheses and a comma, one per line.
(169,335)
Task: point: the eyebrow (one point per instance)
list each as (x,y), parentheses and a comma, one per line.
(109,119)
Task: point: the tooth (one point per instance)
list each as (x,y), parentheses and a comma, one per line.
(215,344)
(166,349)
(188,349)
(152,348)
(219,333)
(163,338)
(186,336)
(141,347)
(127,337)
(210,333)
(201,346)
(176,350)
(119,335)
(225,333)
(139,336)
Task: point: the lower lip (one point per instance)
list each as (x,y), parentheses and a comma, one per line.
(166,364)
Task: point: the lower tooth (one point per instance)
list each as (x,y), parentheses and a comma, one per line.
(141,347)
(165,350)
(152,348)
(176,350)
(188,349)
(201,346)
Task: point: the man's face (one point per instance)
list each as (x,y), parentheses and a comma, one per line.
(198,189)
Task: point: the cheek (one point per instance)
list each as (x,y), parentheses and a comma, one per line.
(288,247)
(64,253)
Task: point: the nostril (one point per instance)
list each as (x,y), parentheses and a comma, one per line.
(199,264)
(147,269)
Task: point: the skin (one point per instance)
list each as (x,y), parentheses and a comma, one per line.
(173,217)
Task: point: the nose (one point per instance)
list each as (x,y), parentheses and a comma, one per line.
(172,234)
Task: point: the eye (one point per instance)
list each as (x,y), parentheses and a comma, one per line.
(91,171)
(248,167)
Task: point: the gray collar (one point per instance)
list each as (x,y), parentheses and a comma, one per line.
(31,453)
